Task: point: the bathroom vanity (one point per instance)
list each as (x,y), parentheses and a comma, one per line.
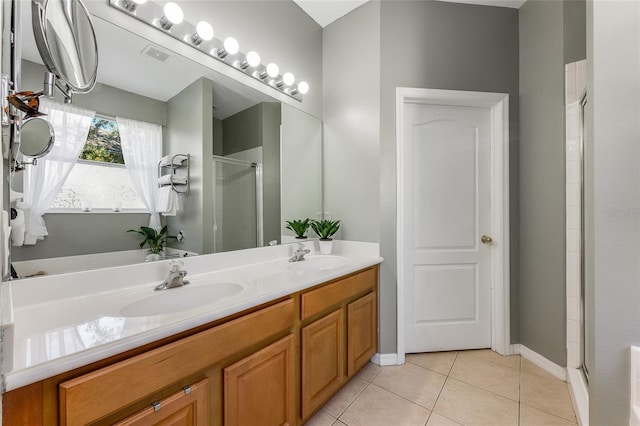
(272,354)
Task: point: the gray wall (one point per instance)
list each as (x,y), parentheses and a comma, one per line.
(440,45)
(614,188)
(301,166)
(242,131)
(270,125)
(575,30)
(542,194)
(72,234)
(104,99)
(189,127)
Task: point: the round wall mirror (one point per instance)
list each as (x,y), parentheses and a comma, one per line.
(66,41)
(36,137)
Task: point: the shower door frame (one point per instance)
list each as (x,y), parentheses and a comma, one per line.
(259,197)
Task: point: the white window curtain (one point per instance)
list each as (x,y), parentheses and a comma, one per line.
(142,151)
(43,182)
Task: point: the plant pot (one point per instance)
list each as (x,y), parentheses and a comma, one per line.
(154,257)
(325,246)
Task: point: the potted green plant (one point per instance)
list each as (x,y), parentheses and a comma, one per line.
(299,227)
(154,239)
(325,229)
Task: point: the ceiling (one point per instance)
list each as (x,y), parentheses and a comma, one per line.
(325,12)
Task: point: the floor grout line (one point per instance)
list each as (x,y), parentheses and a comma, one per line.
(354,399)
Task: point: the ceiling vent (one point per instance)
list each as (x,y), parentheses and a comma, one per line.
(156,53)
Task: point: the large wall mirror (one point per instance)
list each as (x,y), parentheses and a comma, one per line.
(253,162)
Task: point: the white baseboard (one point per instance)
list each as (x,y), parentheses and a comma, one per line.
(579,392)
(385,359)
(542,362)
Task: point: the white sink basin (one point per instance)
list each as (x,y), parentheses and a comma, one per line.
(180,299)
(319,262)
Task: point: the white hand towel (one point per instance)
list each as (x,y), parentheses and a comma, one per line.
(177,180)
(167,201)
(168,159)
(17,229)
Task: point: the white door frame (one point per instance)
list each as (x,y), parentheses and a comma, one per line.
(500,302)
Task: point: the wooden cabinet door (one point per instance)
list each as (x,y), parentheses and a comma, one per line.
(362,332)
(185,408)
(260,389)
(323,360)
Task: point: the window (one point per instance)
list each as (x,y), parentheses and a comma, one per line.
(99,180)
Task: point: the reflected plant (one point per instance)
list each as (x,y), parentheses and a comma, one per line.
(153,238)
(299,227)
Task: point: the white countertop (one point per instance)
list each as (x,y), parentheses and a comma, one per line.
(54,324)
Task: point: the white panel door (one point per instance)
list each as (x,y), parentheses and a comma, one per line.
(445,166)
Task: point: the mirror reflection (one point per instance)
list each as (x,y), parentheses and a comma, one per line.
(253,162)
(36,137)
(66,41)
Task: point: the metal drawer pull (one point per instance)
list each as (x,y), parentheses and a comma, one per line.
(156,405)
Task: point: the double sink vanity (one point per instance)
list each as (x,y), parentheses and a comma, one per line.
(252,339)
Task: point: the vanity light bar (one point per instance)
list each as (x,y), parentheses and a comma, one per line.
(226,51)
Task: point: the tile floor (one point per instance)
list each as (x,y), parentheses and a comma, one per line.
(451,389)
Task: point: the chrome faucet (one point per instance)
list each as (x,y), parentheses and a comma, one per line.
(175,278)
(298,255)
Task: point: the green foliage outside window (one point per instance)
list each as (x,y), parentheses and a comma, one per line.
(103,142)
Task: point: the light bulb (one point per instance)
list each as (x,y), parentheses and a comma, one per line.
(303,87)
(288,79)
(231,45)
(132,5)
(253,59)
(172,15)
(272,70)
(204,30)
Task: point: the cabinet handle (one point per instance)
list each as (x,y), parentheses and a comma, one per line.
(156,405)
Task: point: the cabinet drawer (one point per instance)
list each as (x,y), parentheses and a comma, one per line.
(318,300)
(90,397)
(181,408)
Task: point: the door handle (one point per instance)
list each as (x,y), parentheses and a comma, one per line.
(486,239)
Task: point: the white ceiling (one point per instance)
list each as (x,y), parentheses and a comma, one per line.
(325,12)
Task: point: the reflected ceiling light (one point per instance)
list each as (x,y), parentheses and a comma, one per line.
(204,32)
(288,79)
(271,70)
(303,87)
(172,15)
(132,5)
(252,60)
(230,47)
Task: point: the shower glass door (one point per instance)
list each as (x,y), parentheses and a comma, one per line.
(237,202)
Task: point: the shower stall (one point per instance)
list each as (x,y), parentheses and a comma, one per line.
(238,208)
(578,313)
